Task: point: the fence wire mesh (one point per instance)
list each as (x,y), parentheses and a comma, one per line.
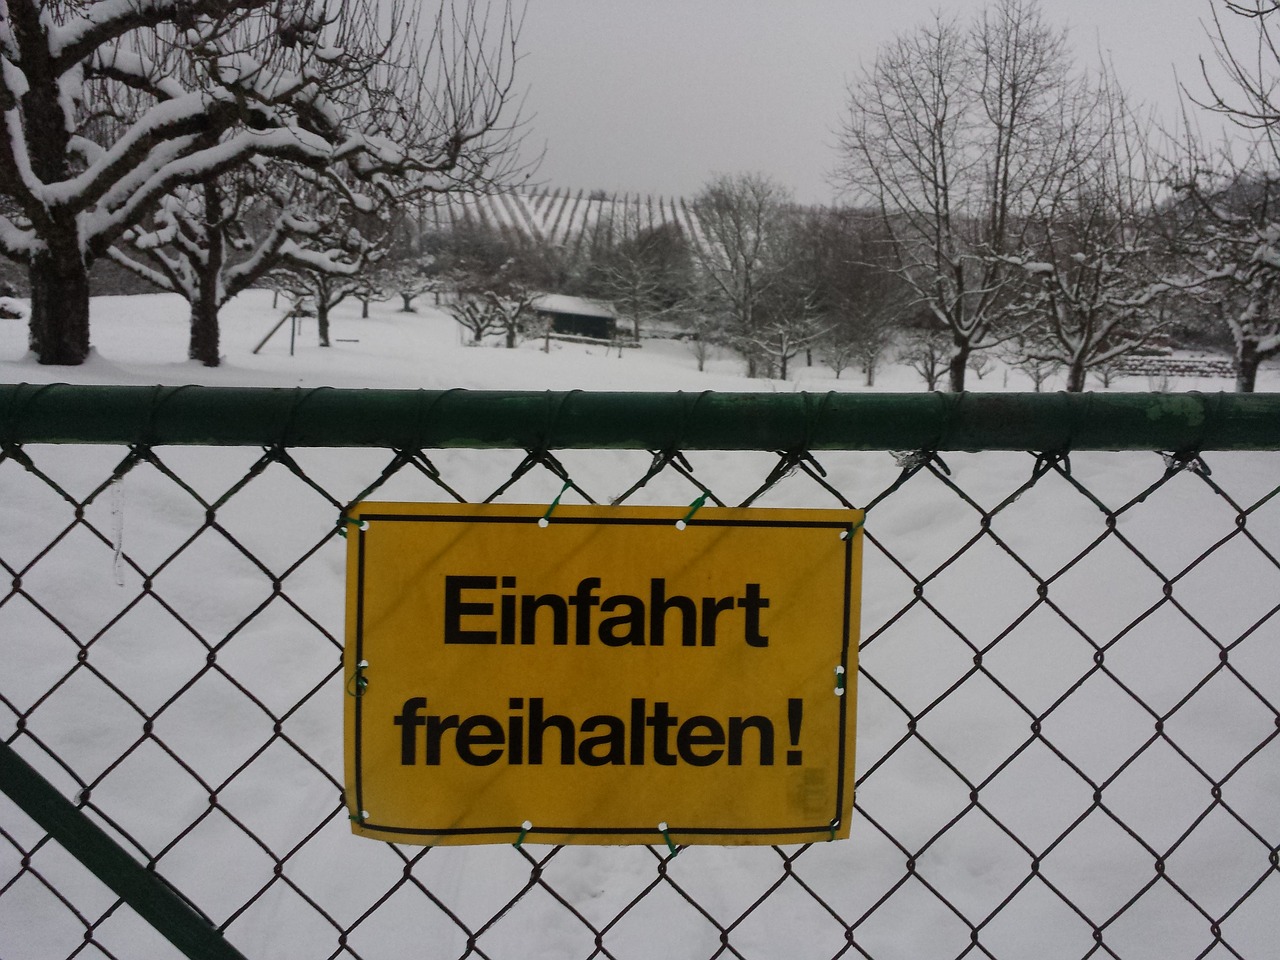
(1069,708)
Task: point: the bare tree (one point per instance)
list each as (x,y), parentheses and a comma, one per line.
(211,241)
(980,364)
(1019,353)
(1238,82)
(407,269)
(647,274)
(704,334)
(839,349)
(952,134)
(785,336)
(794,317)
(859,296)
(370,291)
(215,83)
(478,314)
(324,278)
(1231,237)
(1039,370)
(1230,195)
(742,253)
(330,255)
(186,247)
(924,350)
(494,276)
(1091,253)
(408,279)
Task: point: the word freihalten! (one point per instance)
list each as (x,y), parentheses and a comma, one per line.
(648,733)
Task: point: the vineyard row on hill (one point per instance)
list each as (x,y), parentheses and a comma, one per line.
(576,222)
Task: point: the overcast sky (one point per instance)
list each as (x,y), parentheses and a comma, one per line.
(655,96)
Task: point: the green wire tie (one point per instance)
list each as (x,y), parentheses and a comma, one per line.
(360,817)
(546,517)
(344,521)
(358,683)
(840,681)
(693,508)
(848,532)
(666,835)
(834,824)
(524,832)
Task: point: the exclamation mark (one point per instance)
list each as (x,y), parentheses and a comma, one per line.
(795,714)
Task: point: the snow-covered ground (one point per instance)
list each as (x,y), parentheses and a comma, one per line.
(143,340)
(927,862)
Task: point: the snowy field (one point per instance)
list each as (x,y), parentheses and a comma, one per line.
(143,340)
(1042,802)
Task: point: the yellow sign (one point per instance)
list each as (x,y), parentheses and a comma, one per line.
(609,675)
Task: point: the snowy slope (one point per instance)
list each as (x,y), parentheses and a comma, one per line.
(571,222)
(927,863)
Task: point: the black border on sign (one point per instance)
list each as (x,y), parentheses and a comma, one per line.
(517,829)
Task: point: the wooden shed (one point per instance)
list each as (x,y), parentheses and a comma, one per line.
(576,316)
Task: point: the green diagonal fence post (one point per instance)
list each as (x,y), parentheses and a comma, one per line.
(141,889)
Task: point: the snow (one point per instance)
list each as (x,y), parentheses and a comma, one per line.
(63,38)
(142,339)
(913,649)
(14,308)
(562,303)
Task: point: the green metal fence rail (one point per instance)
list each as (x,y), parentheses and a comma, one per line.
(1069,719)
(325,417)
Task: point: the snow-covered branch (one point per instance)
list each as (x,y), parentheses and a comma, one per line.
(113,105)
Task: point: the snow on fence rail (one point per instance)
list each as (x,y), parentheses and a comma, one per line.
(1069,703)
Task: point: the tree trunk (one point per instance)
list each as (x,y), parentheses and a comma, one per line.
(1075,376)
(59,274)
(204,330)
(59,327)
(364,308)
(1247,360)
(322,319)
(204,344)
(871,373)
(408,302)
(957,366)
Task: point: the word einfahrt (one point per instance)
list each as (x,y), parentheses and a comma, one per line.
(476,611)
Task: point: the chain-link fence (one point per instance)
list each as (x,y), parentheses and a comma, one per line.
(1068,705)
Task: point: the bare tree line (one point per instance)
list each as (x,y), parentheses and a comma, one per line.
(1030,206)
(1001,200)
